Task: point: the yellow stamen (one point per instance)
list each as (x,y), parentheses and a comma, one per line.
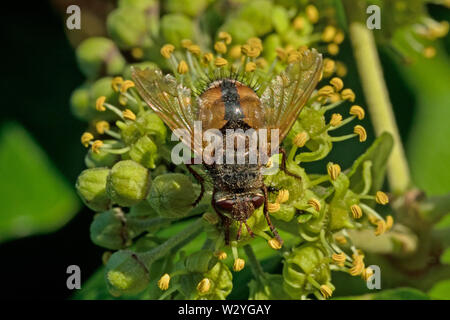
(348,94)
(250,67)
(334,170)
(128,114)
(312,13)
(220,47)
(273,207)
(116,83)
(235,52)
(283,196)
(328,33)
(358,265)
(102,126)
(293,56)
(358,112)
(96,146)
(261,63)
(194,49)
(326,91)
(281,54)
(315,204)
(249,51)
(207,58)
(299,23)
(220,62)
(274,244)
(186,43)
(126,85)
(137,53)
(238,264)
(99,103)
(300,139)
(340,239)
(182,67)
(339,258)
(326,291)
(166,50)
(225,36)
(429,52)
(164,281)
(123,100)
(341,69)
(204,285)
(361,132)
(389,222)
(221,255)
(339,37)
(86,138)
(381,198)
(328,67)
(335,120)
(333,49)
(356,211)
(337,83)
(367,273)
(255,43)
(381,227)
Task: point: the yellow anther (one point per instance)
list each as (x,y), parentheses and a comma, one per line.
(235,52)
(293,56)
(255,42)
(137,53)
(341,69)
(127,84)
(225,36)
(340,239)
(334,170)
(274,244)
(358,112)
(315,204)
(312,13)
(220,47)
(339,258)
(273,207)
(381,198)
(207,58)
(250,67)
(429,52)
(339,37)
(328,67)
(283,196)
(333,49)
(299,23)
(326,91)
(182,67)
(238,264)
(210,217)
(96,146)
(194,49)
(348,94)
(328,33)
(221,255)
(204,285)
(367,273)
(164,281)
(389,222)
(102,126)
(128,114)
(381,227)
(186,43)
(166,50)
(361,132)
(335,120)
(281,54)
(220,62)
(358,265)
(99,103)
(116,83)
(326,291)
(86,138)
(261,63)
(123,100)
(249,51)
(337,83)
(356,211)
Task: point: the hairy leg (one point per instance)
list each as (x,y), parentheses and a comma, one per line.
(200,179)
(266,215)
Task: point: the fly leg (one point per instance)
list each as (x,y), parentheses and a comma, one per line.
(283,165)
(200,179)
(266,215)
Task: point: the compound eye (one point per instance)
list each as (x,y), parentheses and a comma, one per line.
(257,200)
(226,205)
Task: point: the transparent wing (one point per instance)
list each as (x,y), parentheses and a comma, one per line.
(173,103)
(288,92)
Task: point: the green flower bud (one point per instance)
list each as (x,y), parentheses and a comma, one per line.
(108,230)
(302,264)
(171,195)
(102,87)
(280,19)
(176,27)
(259,14)
(102,158)
(128,183)
(144,151)
(80,103)
(271,43)
(200,261)
(239,29)
(126,274)
(189,7)
(127,27)
(153,126)
(96,54)
(91,186)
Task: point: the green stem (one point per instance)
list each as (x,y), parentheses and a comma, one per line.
(257,270)
(375,91)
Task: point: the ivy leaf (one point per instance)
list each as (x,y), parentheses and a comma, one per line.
(378,154)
